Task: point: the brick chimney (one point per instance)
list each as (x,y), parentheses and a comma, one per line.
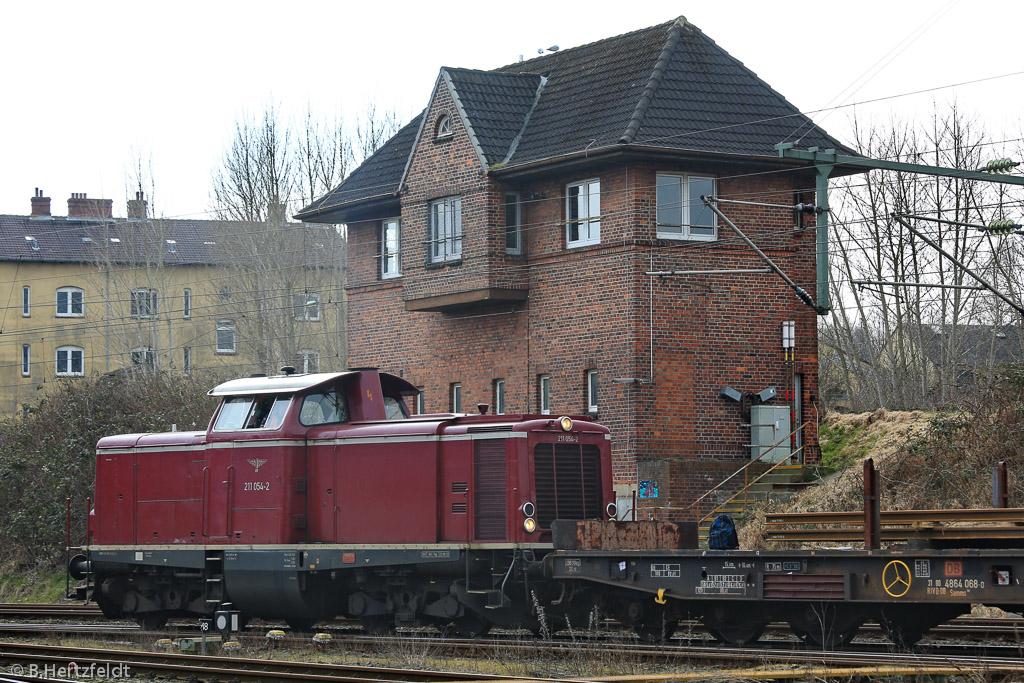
(80,206)
(137,207)
(40,205)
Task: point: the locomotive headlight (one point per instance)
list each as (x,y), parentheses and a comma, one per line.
(528,509)
(565,423)
(530,525)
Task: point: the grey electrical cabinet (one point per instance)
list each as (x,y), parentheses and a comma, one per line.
(768,425)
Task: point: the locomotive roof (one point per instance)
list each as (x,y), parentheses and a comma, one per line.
(280,384)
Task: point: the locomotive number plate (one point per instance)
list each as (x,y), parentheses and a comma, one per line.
(256,486)
(568,438)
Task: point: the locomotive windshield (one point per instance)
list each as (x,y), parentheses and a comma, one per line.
(253,412)
(323,408)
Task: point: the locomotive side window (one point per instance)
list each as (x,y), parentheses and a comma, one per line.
(395,408)
(318,409)
(253,412)
(233,413)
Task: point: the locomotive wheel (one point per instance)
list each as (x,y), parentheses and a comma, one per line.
(378,624)
(151,621)
(300,625)
(655,632)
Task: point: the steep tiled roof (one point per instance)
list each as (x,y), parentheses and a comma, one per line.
(73,240)
(496,105)
(378,176)
(668,86)
(976,346)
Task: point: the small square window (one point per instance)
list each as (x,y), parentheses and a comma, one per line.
(143,303)
(307,306)
(225,336)
(681,212)
(70,361)
(309,361)
(70,302)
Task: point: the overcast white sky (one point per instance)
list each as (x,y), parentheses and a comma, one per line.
(88,86)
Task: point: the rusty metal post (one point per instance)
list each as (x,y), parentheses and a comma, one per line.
(1000,487)
(872,508)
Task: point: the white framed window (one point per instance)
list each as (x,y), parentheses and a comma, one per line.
(591,391)
(144,303)
(186,360)
(444,127)
(390,248)
(499,397)
(307,306)
(309,361)
(70,302)
(544,394)
(26,360)
(70,361)
(26,301)
(421,401)
(456,396)
(186,303)
(144,356)
(513,223)
(225,336)
(583,213)
(681,213)
(445,229)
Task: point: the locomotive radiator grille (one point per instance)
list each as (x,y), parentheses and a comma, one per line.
(490,475)
(568,482)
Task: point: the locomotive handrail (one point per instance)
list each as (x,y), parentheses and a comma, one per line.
(743,469)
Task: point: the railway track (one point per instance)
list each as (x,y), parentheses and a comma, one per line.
(21,659)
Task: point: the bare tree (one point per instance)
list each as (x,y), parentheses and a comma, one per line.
(906,345)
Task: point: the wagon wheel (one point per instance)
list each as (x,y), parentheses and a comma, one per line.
(300,625)
(378,624)
(736,635)
(829,627)
(903,634)
(469,625)
(151,621)
(655,632)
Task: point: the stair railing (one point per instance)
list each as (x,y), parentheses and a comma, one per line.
(746,474)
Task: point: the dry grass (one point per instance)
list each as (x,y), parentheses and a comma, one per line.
(925,460)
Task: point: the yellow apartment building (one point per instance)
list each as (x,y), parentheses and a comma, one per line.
(89,293)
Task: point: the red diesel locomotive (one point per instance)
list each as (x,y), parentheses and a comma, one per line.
(316,495)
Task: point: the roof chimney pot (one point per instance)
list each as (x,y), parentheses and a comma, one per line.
(40,205)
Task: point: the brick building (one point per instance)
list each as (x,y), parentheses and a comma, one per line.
(90,293)
(502,245)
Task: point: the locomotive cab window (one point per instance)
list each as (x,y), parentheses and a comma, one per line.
(323,408)
(253,412)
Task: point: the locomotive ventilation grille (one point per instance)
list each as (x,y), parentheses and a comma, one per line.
(568,481)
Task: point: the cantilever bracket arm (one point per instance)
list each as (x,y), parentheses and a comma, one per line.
(900,218)
(800,292)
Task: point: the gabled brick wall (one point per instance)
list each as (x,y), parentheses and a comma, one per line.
(594,308)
